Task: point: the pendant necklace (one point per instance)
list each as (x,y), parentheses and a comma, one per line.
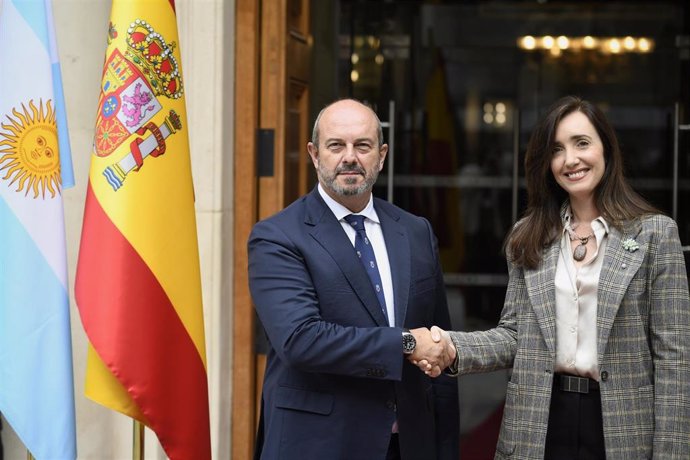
(580,250)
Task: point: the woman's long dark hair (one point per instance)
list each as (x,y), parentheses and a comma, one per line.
(541,225)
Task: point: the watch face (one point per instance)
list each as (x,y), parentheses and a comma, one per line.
(409,343)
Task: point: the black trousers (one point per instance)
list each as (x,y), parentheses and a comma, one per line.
(576,430)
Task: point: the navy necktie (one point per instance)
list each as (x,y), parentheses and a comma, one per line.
(365,252)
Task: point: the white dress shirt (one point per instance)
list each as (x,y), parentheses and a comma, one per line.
(576,305)
(372,225)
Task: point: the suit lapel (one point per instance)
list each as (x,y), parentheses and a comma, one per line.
(398,249)
(617,270)
(328,232)
(542,293)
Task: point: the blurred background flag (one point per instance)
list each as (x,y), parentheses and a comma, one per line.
(36,384)
(138,285)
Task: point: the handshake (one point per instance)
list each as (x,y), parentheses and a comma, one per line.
(434,352)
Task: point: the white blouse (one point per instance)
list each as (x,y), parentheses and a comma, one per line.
(576,305)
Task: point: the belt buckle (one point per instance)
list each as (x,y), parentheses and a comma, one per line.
(574,384)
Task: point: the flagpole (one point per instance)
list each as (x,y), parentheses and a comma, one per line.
(138,445)
(29,456)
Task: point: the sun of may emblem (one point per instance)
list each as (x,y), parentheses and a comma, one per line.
(29,150)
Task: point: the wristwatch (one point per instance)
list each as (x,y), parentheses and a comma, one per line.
(409,342)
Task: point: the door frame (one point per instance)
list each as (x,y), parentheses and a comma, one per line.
(246,119)
(272,55)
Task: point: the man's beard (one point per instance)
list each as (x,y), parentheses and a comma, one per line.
(330,180)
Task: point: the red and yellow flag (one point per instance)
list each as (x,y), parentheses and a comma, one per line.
(138,284)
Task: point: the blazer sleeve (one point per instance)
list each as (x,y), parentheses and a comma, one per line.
(669,329)
(288,307)
(486,351)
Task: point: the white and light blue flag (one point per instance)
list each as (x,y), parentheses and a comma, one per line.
(36,383)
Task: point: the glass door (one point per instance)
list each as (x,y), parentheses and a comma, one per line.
(468,81)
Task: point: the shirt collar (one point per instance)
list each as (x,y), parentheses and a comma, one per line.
(341,211)
(598,223)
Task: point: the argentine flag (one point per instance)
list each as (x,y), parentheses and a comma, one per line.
(36,384)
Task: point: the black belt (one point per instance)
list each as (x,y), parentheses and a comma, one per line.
(575,384)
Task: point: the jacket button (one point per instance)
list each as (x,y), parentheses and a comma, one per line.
(604,376)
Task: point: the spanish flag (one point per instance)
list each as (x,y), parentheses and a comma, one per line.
(138,283)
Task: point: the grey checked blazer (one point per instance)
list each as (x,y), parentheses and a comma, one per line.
(643,337)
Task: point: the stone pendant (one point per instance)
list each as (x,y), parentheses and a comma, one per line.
(580,252)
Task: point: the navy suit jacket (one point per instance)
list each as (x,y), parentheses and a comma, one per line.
(336,378)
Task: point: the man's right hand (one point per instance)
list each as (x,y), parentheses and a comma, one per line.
(434,352)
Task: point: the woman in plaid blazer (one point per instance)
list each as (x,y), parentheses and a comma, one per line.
(596,321)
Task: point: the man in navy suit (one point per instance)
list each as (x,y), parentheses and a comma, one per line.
(339,382)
